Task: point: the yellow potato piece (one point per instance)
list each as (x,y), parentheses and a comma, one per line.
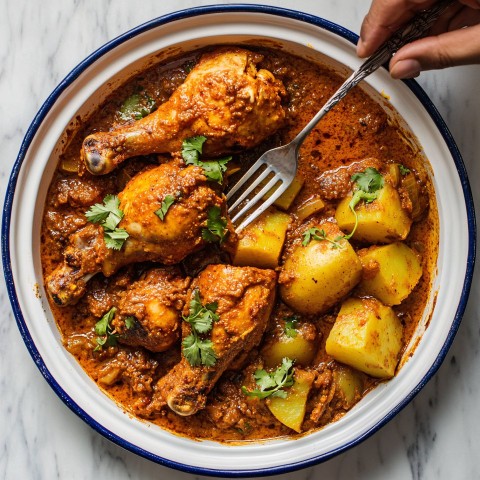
(390,272)
(291,410)
(316,276)
(261,243)
(349,384)
(297,348)
(367,335)
(285,200)
(381,221)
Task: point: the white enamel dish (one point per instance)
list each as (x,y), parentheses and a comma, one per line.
(84,88)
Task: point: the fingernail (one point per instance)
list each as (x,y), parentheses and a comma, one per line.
(406,69)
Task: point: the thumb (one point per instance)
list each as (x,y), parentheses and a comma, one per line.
(458,47)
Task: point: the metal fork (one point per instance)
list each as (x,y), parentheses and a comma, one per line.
(278,166)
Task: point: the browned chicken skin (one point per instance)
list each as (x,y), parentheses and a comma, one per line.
(245,297)
(150,239)
(156,301)
(225,98)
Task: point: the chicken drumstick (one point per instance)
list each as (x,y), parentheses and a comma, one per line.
(224,98)
(167,241)
(244,298)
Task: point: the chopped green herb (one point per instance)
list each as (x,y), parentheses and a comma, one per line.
(403,169)
(370,180)
(196,350)
(192,149)
(137,106)
(109,211)
(213,169)
(290,328)
(116,238)
(201,316)
(109,216)
(129,322)
(103,329)
(272,384)
(216,230)
(368,184)
(316,233)
(167,202)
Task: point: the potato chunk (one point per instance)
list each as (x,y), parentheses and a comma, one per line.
(291,410)
(367,335)
(285,200)
(301,347)
(261,243)
(316,276)
(390,272)
(349,384)
(381,221)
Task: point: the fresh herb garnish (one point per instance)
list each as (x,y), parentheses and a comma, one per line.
(115,239)
(196,350)
(105,334)
(216,229)
(368,183)
(290,328)
(167,202)
(137,106)
(129,322)
(272,384)
(109,216)
(403,169)
(316,233)
(213,169)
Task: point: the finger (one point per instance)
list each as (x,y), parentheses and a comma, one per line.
(471,3)
(466,17)
(383,18)
(459,47)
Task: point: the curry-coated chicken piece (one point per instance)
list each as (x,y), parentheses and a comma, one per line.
(166,241)
(153,305)
(224,98)
(244,297)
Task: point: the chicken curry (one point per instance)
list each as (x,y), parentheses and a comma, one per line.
(272,331)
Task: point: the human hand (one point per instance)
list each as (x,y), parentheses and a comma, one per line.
(449,43)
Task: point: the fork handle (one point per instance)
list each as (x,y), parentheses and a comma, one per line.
(415,29)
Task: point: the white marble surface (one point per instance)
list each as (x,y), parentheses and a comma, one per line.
(437,436)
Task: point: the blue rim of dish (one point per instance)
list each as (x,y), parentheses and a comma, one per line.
(182,14)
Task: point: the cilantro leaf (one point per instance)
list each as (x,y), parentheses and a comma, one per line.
(167,202)
(215,169)
(201,316)
(99,213)
(212,169)
(137,106)
(116,238)
(192,149)
(191,350)
(130,322)
(216,230)
(369,183)
(403,169)
(196,350)
(103,329)
(370,180)
(109,216)
(290,328)
(316,233)
(272,384)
